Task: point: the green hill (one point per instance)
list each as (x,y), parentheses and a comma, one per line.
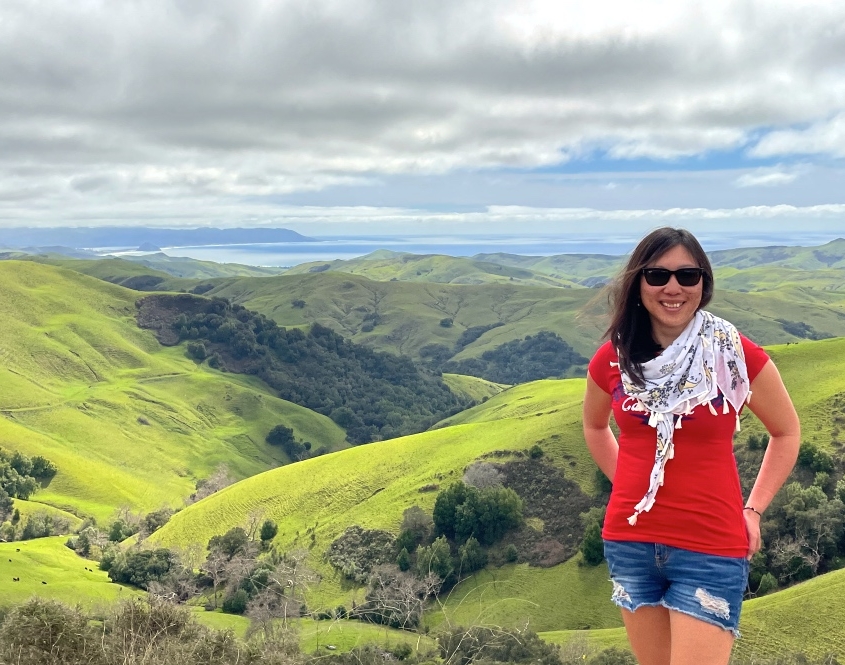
(384,265)
(127,421)
(405,317)
(45,567)
(829,255)
(372,485)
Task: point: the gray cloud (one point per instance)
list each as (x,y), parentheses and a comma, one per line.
(171,106)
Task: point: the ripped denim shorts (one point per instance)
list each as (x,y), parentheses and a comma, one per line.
(706,586)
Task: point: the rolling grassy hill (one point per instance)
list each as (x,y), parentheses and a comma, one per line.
(385,265)
(47,560)
(127,422)
(409,314)
(314,501)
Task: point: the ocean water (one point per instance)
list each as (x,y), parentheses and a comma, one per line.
(328,249)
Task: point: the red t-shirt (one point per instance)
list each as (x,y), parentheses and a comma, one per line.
(699,506)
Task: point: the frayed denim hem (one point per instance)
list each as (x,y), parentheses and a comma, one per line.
(735,631)
(660,603)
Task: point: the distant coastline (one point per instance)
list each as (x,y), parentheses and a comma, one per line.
(350,247)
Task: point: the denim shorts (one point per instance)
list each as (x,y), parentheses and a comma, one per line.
(705,586)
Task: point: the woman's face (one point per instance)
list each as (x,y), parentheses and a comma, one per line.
(671,306)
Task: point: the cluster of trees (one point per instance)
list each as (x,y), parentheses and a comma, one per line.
(373,395)
(430,554)
(541,356)
(284,437)
(804,527)
(20,477)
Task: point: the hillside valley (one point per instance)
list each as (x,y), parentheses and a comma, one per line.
(132,423)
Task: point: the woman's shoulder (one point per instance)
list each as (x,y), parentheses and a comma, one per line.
(605,352)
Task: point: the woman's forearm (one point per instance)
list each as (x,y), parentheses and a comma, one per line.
(778,462)
(603,448)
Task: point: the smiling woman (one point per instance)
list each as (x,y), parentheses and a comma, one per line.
(677,534)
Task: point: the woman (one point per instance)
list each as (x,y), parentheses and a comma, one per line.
(677,534)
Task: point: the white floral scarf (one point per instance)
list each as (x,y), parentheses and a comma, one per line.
(705,359)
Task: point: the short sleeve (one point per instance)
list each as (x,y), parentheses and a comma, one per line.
(755,357)
(600,368)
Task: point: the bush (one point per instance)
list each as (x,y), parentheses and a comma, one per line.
(268,531)
(592,545)
(45,632)
(462,646)
(768,583)
(613,656)
(436,558)
(511,553)
(197,351)
(471,556)
(236,602)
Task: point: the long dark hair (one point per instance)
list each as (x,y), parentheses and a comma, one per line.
(630,324)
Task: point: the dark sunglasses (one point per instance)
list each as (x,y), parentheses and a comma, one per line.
(660,276)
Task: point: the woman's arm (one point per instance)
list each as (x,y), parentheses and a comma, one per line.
(772,405)
(600,440)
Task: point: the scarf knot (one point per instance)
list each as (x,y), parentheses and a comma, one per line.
(705,360)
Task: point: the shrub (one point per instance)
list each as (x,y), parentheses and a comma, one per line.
(511,553)
(471,556)
(613,656)
(40,630)
(236,602)
(268,531)
(436,558)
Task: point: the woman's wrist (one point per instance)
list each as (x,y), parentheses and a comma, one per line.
(753,510)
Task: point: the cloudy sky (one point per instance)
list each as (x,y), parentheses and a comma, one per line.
(356,116)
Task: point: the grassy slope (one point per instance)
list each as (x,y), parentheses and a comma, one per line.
(471,386)
(829,255)
(410,312)
(114,269)
(317,635)
(372,485)
(48,560)
(81,380)
(27,508)
(384,266)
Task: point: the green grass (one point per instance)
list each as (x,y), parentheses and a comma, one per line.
(48,560)
(472,387)
(384,265)
(567,595)
(28,508)
(127,421)
(316,636)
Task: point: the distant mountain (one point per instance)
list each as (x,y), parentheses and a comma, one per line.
(116,236)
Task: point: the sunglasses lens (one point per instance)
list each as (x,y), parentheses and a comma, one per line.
(688,276)
(656,276)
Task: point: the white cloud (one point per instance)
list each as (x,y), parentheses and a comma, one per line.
(767,178)
(110,106)
(824,137)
